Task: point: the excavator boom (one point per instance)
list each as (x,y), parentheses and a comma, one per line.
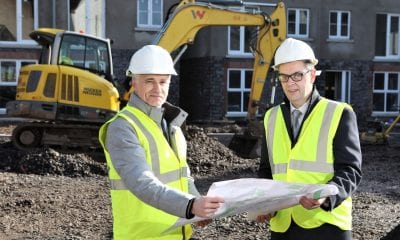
(191,16)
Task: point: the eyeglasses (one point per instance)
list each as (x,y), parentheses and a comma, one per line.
(296,77)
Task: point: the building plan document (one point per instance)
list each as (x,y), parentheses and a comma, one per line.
(259,196)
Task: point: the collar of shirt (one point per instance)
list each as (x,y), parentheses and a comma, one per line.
(154,113)
(302,109)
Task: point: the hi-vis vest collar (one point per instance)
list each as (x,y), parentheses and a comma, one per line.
(153,112)
(320,165)
(157,114)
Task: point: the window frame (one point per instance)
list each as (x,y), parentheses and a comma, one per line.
(242,90)
(242,40)
(297,23)
(18,65)
(345,86)
(19,24)
(388,48)
(242,30)
(386,91)
(339,24)
(149,16)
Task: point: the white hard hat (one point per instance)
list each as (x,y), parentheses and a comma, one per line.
(293,50)
(151,59)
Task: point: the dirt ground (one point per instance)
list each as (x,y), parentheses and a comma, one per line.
(48,194)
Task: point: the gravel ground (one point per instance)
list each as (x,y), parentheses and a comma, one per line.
(48,194)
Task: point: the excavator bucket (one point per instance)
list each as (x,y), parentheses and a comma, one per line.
(383,133)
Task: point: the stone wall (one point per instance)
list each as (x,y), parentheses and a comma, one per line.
(361,85)
(203,88)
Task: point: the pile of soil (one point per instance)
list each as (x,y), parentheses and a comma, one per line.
(49,194)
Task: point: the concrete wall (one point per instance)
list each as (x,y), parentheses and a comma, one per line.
(121,24)
(48,20)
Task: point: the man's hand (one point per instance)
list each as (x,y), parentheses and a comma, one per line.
(206,206)
(265,218)
(311,203)
(203,223)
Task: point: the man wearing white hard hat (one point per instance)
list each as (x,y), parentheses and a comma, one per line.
(145,149)
(310,139)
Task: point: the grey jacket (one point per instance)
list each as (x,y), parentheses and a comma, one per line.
(129,160)
(346,151)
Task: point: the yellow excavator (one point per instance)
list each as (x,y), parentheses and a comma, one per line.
(70,92)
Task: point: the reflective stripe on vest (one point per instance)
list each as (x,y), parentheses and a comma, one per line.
(120,185)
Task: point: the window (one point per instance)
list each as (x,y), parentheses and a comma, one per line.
(17,19)
(149,13)
(386,92)
(298,23)
(240,39)
(339,25)
(387,36)
(9,70)
(87,53)
(239,85)
(337,85)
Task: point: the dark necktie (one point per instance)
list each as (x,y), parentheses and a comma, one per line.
(296,114)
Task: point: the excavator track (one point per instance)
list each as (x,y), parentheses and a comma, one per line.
(32,135)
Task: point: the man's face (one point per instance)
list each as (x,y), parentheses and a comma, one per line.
(297,91)
(152,88)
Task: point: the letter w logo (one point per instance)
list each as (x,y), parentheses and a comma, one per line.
(198,14)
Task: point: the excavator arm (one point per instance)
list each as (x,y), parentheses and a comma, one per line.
(191,16)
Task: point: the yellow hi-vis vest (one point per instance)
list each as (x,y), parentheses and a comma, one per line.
(134,219)
(310,161)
